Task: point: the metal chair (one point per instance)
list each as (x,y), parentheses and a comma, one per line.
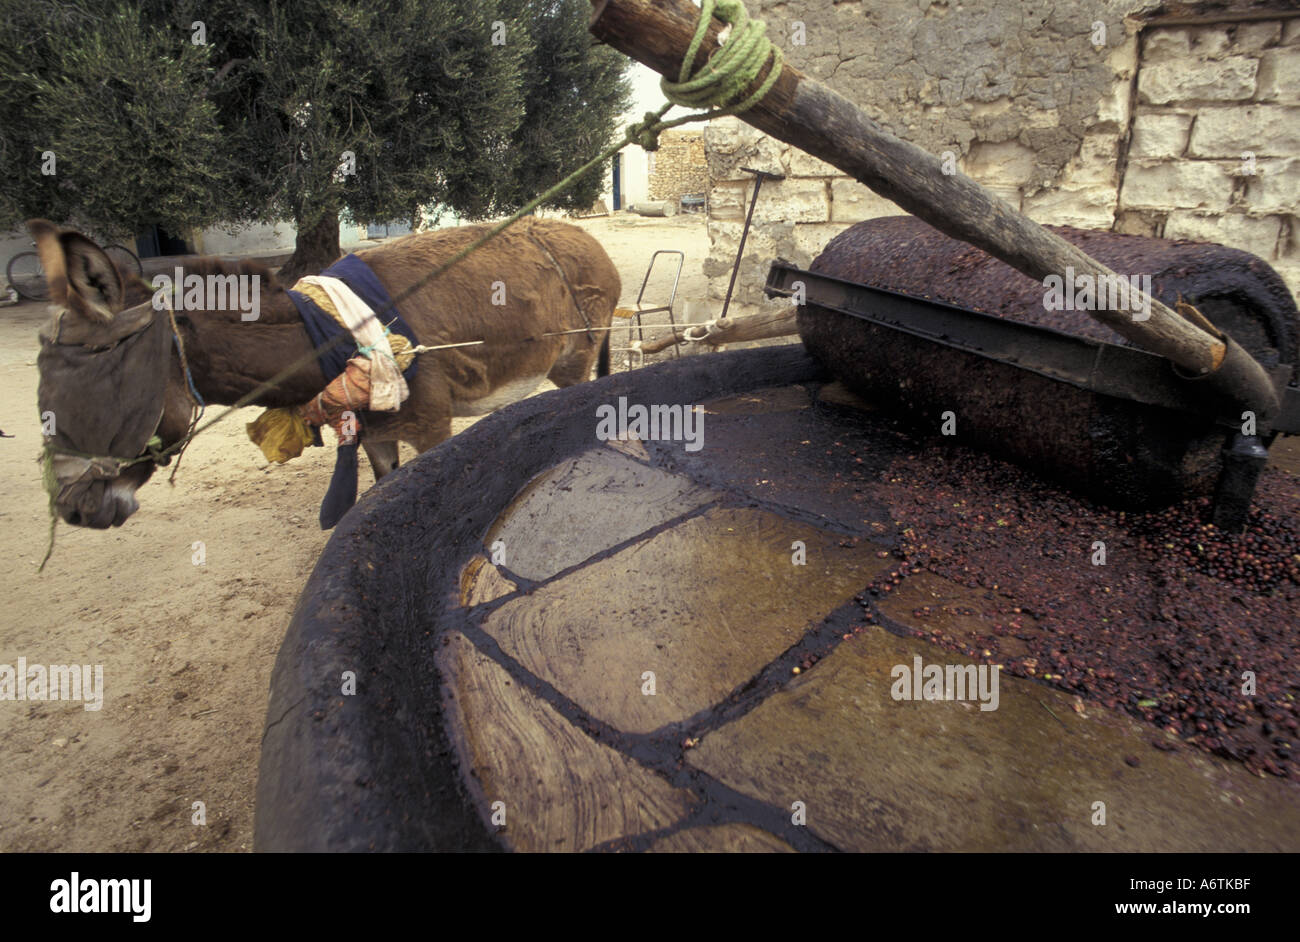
(633,349)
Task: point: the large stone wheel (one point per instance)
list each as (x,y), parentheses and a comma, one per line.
(562,643)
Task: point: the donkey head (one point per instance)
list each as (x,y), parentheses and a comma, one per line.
(108,384)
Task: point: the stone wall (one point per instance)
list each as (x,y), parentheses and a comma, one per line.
(1087,113)
(679,167)
(1215,138)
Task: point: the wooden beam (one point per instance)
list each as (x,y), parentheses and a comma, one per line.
(732,330)
(825,124)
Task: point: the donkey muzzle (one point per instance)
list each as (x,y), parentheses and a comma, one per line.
(92,493)
(100,506)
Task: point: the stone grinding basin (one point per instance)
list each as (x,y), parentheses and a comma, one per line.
(1106,444)
(509,706)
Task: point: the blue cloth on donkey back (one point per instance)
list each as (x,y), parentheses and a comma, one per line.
(322,328)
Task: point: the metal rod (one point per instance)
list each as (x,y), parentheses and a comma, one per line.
(447,346)
(744,233)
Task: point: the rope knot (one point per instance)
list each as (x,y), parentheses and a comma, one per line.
(646,134)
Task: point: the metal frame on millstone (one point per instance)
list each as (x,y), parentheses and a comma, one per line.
(1124,373)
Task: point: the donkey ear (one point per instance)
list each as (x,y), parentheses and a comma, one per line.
(80,276)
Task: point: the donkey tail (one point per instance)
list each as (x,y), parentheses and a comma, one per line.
(602,361)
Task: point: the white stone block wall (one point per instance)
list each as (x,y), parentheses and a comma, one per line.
(793,219)
(1156,146)
(1215,138)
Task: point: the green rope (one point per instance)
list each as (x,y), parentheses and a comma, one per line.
(51,488)
(729,70)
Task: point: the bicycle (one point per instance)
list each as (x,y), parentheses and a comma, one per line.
(27,277)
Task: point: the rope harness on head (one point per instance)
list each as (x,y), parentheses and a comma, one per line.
(68,473)
(156,452)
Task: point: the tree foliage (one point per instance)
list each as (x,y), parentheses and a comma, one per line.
(115,109)
(572,89)
(150,125)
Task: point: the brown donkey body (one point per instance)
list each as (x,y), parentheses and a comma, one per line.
(537,278)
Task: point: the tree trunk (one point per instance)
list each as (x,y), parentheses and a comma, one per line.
(315,248)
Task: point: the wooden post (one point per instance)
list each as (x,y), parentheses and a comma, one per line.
(812,117)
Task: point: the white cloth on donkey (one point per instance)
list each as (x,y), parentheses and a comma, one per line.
(388,389)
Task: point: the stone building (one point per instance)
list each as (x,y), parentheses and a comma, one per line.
(679,167)
(1180,121)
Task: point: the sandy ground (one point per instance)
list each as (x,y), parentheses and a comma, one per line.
(187,645)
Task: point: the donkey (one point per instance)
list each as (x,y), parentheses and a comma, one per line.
(541,295)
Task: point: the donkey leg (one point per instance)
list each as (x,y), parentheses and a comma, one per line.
(431,434)
(382,455)
(573,368)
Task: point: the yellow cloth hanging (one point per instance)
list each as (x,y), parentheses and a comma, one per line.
(280,433)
